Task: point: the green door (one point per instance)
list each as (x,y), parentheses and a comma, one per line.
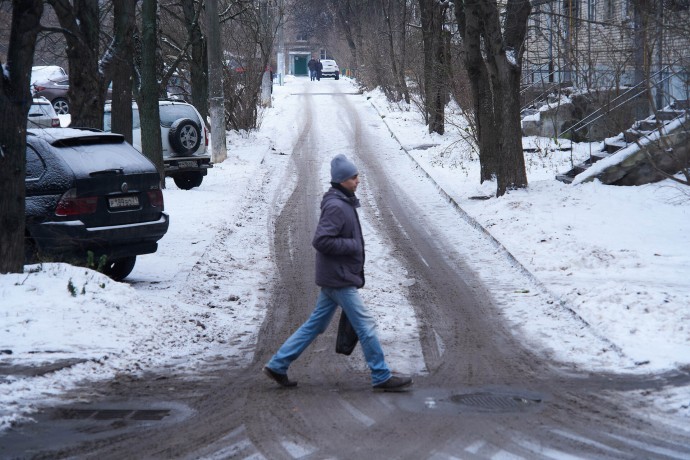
(300,65)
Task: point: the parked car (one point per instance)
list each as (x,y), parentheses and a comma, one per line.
(91,199)
(55,91)
(47,72)
(330,69)
(42,114)
(184,137)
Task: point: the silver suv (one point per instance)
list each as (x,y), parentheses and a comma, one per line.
(330,69)
(184,137)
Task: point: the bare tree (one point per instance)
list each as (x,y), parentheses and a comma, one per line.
(198,64)
(80,23)
(15,100)
(122,53)
(493,48)
(148,104)
(248,40)
(184,52)
(396,17)
(348,14)
(382,56)
(436,56)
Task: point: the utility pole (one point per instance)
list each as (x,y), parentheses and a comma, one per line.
(215,79)
(267,20)
(281,45)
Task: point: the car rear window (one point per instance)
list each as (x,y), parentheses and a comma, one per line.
(84,158)
(41,109)
(107,120)
(170,113)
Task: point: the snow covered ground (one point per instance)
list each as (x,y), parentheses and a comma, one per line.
(614,258)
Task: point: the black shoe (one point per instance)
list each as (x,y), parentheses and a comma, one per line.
(394,384)
(281,379)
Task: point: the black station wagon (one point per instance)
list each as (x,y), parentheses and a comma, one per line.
(91,199)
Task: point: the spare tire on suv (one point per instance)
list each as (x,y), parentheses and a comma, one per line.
(184,136)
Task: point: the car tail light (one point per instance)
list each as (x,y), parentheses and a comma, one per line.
(70,205)
(156,198)
(206,136)
(55,123)
(39,88)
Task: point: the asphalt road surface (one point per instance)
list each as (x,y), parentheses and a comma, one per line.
(484,394)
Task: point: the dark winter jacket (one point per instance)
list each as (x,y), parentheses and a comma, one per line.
(312,64)
(338,241)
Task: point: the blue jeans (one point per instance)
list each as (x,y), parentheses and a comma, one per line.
(312,74)
(329,298)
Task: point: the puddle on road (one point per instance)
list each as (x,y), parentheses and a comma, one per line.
(73,424)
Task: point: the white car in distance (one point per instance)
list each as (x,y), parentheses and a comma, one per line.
(330,69)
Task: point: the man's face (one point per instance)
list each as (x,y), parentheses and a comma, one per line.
(351,183)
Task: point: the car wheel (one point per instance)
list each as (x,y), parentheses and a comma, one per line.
(337,76)
(118,269)
(184,136)
(188,180)
(61,106)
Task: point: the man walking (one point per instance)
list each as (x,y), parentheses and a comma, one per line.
(339,272)
(311,65)
(319,68)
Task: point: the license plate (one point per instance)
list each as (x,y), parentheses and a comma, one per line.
(123,202)
(187,164)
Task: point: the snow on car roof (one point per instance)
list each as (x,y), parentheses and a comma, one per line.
(73,136)
(46,72)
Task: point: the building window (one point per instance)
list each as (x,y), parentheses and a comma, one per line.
(610,12)
(301,37)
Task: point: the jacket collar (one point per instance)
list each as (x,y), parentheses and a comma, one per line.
(345,194)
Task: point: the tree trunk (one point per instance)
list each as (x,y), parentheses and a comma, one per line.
(435,62)
(87,88)
(199,63)
(642,56)
(148,105)
(15,100)
(403,52)
(493,59)
(216,94)
(395,16)
(511,164)
(482,95)
(512,173)
(123,67)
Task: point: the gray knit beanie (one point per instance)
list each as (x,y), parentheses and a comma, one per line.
(342,169)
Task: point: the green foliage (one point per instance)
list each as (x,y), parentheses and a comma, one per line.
(92,264)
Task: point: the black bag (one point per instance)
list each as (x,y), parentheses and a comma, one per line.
(347,337)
